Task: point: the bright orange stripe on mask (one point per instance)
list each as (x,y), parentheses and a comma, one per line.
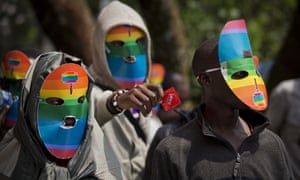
(246,90)
(245,82)
(246,95)
(58,73)
(123,29)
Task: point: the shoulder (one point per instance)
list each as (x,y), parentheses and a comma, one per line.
(287,85)
(269,138)
(181,137)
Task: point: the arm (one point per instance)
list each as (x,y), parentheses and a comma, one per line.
(142,97)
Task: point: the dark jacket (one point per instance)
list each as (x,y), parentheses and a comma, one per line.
(195,152)
(162,132)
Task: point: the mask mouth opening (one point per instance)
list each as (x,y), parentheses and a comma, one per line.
(130,59)
(69,122)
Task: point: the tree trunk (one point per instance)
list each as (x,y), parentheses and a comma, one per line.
(287,63)
(165,26)
(69,24)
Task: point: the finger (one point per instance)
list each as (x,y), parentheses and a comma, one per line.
(151,96)
(144,95)
(157,90)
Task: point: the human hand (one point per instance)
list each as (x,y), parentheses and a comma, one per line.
(143,97)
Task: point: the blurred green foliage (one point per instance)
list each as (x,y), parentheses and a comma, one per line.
(267,22)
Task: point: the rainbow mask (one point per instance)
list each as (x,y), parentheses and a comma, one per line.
(15,65)
(126,55)
(238,65)
(63,110)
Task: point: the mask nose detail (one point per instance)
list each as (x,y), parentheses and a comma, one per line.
(69,121)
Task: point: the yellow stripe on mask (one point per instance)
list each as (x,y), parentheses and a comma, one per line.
(245,82)
(64,94)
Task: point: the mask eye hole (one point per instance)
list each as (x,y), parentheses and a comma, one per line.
(141,41)
(55,101)
(239,75)
(117,43)
(81,99)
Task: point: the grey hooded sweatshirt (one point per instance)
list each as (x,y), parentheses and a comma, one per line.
(118,130)
(22,153)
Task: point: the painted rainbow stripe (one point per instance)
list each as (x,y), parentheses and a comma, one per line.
(69,77)
(234,27)
(13,62)
(258,96)
(128,33)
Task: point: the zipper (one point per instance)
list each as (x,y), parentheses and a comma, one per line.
(236,166)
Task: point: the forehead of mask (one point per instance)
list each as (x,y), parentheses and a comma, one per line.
(238,66)
(15,65)
(63,97)
(68,81)
(123,41)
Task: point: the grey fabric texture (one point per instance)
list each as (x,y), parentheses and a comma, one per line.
(284,115)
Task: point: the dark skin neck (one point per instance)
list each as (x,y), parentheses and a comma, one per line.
(225,121)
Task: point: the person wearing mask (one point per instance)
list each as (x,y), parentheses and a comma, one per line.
(228,138)
(123,97)
(56,135)
(14,66)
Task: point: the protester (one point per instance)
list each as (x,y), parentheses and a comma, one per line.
(228,138)
(124,100)
(56,135)
(284,115)
(14,66)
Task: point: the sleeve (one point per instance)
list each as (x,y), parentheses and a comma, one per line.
(162,165)
(99,98)
(278,107)
(9,153)
(286,159)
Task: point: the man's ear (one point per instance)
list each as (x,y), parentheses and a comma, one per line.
(203,79)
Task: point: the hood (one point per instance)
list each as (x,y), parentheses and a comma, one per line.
(114,14)
(26,127)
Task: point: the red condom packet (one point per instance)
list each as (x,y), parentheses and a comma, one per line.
(170,99)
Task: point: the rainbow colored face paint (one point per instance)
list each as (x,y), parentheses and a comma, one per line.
(63,110)
(238,66)
(126,55)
